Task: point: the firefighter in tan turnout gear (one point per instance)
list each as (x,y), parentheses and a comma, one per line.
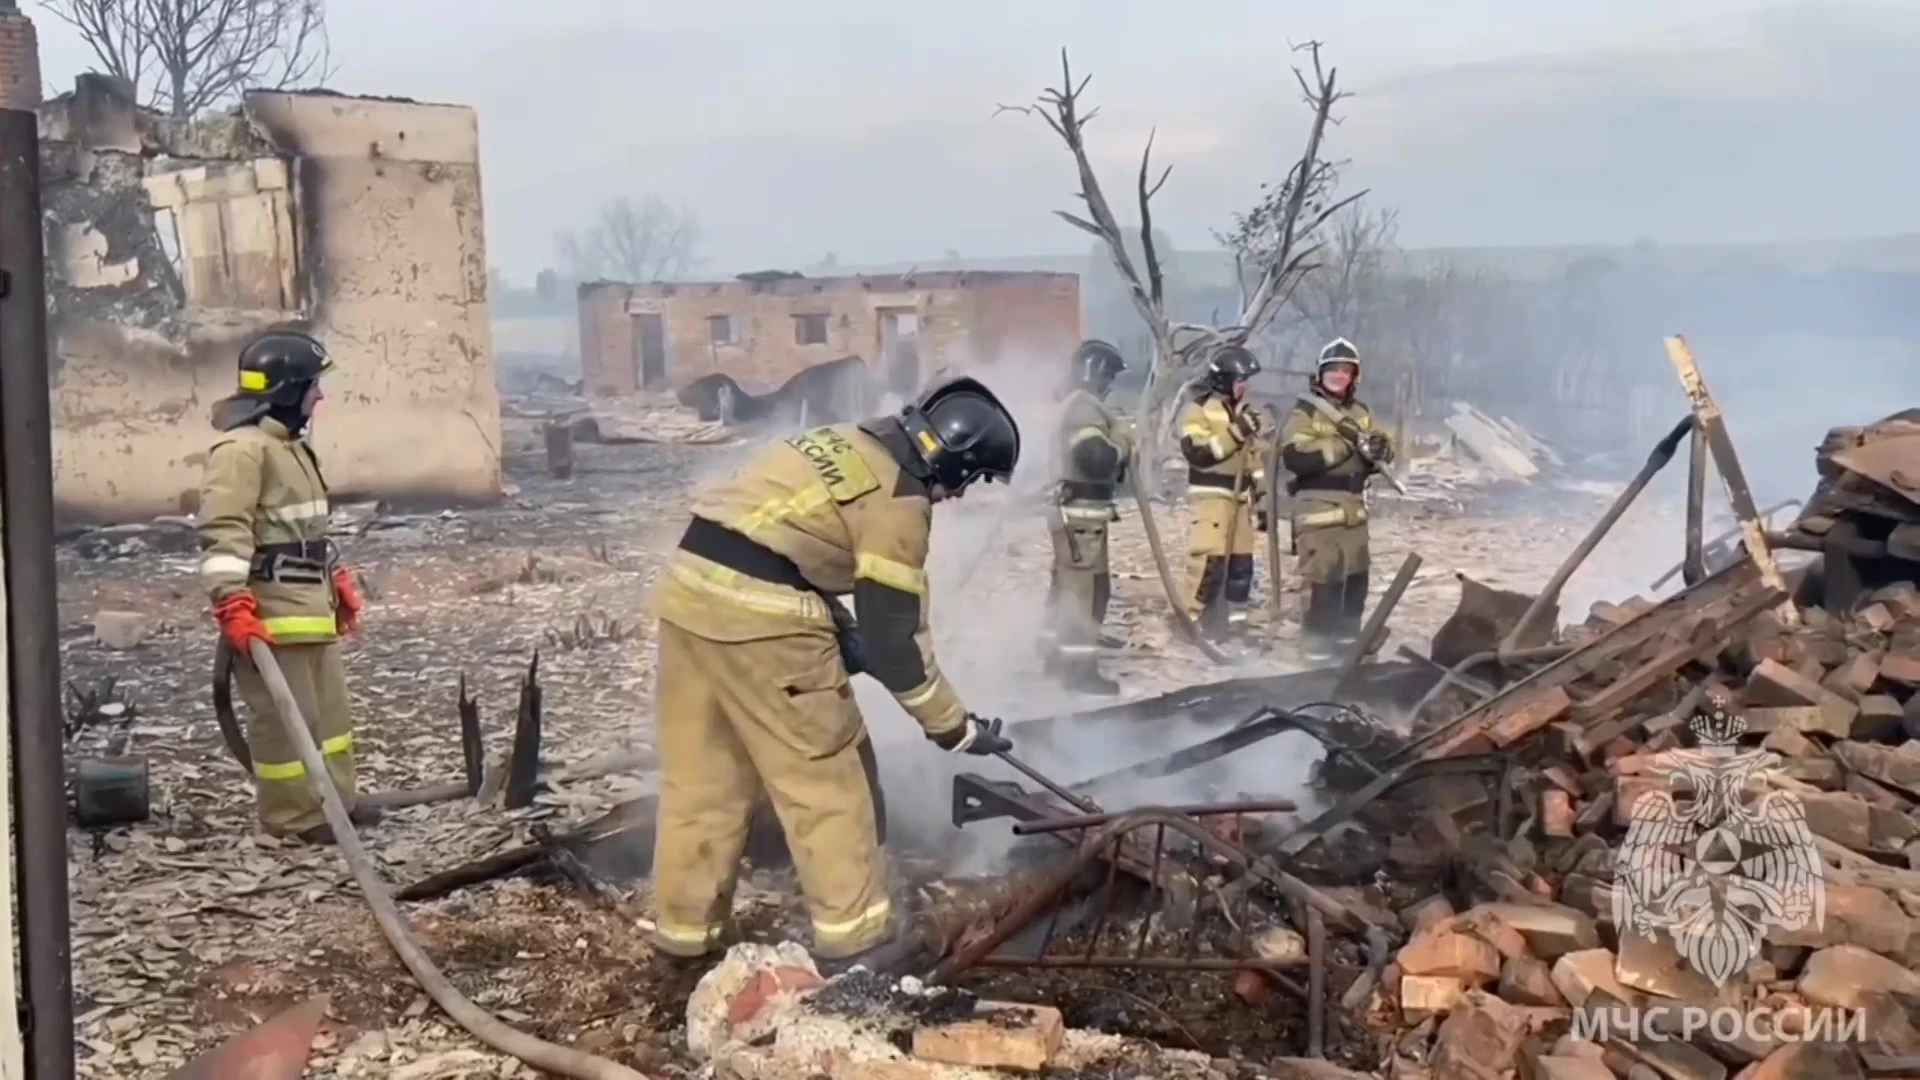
(1221,436)
(1330,461)
(755,651)
(1090,459)
(273,576)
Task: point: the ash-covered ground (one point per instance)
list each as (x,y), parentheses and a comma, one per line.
(191,928)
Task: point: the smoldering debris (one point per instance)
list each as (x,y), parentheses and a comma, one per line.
(1356,927)
(1456,903)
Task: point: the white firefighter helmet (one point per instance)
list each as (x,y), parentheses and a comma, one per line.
(1339,351)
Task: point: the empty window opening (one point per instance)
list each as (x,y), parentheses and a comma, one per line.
(810,329)
(720,329)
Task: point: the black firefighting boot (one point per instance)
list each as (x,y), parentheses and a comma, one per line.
(1240,594)
(1212,596)
(1353,608)
(1318,625)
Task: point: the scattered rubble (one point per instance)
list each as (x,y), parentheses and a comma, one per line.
(1453,932)
(764,1015)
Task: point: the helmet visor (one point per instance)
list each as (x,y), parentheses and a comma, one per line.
(1340,351)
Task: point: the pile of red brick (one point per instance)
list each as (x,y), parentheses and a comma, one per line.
(1833,698)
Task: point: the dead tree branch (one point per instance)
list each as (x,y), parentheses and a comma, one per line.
(111,31)
(1278,237)
(634,241)
(1060,109)
(184,57)
(1274,240)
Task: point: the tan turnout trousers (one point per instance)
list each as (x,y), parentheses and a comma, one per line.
(1219,580)
(774,715)
(318,679)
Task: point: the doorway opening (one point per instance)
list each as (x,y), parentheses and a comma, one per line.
(650,351)
(899,351)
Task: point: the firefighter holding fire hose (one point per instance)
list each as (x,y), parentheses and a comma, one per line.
(1330,460)
(273,576)
(755,650)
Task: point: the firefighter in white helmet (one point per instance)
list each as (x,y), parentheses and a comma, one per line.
(1330,462)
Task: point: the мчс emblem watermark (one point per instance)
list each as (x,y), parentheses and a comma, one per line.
(1715,861)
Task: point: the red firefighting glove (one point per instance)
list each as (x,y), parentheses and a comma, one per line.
(239,619)
(349,598)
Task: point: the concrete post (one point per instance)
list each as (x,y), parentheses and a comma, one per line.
(37,882)
(19,70)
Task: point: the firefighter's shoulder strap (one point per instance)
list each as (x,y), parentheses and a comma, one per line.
(1325,408)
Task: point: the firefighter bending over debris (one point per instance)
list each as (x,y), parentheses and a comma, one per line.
(1331,444)
(272,573)
(1221,436)
(755,651)
(1090,458)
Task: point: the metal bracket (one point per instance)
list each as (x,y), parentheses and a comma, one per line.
(976,798)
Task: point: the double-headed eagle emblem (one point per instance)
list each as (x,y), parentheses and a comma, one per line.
(1723,862)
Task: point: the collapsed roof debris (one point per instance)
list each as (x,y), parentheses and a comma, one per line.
(1491,841)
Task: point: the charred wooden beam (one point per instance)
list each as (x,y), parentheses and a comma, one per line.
(1371,634)
(616,842)
(1473,725)
(1316,984)
(1693,566)
(1656,460)
(473,752)
(1732,476)
(523,769)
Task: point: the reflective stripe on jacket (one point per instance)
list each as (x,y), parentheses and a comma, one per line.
(836,504)
(263,527)
(1215,448)
(1329,479)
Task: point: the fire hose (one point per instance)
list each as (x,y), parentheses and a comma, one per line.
(560,1060)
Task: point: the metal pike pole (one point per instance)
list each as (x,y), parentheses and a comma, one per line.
(1080,803)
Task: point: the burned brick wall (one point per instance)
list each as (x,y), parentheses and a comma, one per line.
(171,242)
(19,61)
(906,327)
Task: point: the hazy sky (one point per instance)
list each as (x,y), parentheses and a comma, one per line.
(866,128)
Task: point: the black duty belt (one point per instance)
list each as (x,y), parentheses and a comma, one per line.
(1217,481)
(1352,484)
(742,554)
(296,562)
(1086,491)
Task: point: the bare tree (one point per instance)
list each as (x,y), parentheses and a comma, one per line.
(1352,292)
(1276,245)
(183,57)
(633,241)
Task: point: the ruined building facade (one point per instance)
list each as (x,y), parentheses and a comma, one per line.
(170,242)
(761,329)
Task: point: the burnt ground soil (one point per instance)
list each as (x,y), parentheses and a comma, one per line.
(190,927)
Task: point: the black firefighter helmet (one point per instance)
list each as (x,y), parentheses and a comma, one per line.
(962,434)
(278,366)
(1230,364)
(1096,365)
